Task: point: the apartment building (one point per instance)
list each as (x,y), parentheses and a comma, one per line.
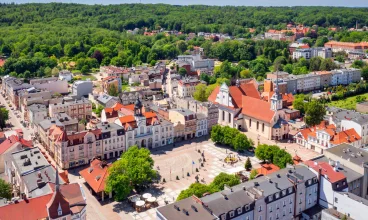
(109,81)
(113,139)
(76,148)
(82,88)
(312,52)
(145,129)
(308,82)
(24,168)
(347,46)
(348,119)
(285,194)
(76,109)
(65,75)
(186,87)
(202,125)
(51,84)
(196,62)
(345,76)
(322,137)
(11,86)
(109,71)
(354,159)
(184,117)
(36,113)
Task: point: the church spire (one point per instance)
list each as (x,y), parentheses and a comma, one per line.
(57,183)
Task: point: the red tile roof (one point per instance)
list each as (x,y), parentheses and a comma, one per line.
(257,108)
(97,169)
(249,89)
(212,97)
(326,169)
(267,169)
(8,143)
(58,200)
(347,136)
(33,208)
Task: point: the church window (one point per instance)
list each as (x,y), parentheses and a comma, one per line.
(263,127)
(257,125)
(250,122)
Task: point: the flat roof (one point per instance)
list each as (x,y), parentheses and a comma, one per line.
(348,152)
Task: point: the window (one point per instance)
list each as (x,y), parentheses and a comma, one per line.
(290,210)
(250,122)
(260,217)
(239,211)
(283,192)
(277,206)
(271,209)
(263,127)
(336,200)
(277,215)
(247,218)
(337,185)
(290,201)
(229,117)
(271,218)
(283,213)
(259,208)
(269,198)
(284,203)
(223,115)
(290,190)
(300,201)
(315,189)
(257,125)
(232,213)
(309,201)
(247,208)
(277,195)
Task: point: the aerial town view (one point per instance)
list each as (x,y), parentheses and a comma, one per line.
(184,111)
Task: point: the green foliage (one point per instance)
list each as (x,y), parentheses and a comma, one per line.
(5,189)
(253,174)
(358,64)
(200,93)
(98,110)
(314,113)
(231,137)
(365,73)
(113,90)
(198,189)
(299,103)
(4,116)
(281,158)
(248,164)
(83,121)
(132,171)
(182,71)
(224,179)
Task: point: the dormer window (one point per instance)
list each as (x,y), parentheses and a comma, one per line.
(290,190)
(239,211)
(277,195)
(232,213)
(60,211)
(270,198)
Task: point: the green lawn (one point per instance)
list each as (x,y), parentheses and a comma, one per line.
(348,103)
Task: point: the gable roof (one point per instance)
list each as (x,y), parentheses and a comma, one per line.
(212,97)
(58,202)
(326,169)
(96,174)
(8,143)
(33,208)
(257,108)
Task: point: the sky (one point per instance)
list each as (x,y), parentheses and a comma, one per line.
(346,3)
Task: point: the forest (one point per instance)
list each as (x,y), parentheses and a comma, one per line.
(38,37)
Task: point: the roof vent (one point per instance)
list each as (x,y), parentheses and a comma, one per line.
(194,208)
(177,207)
(224,195)
(185,212)
(90,170)
(98,177)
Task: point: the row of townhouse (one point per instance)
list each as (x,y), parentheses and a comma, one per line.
(327,187)
(317,80)
(285,194)
(322,137)
(81,109)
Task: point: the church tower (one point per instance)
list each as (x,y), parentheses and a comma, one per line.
(138,107)
(276,99)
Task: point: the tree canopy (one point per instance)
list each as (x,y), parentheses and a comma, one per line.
(5,189)
(273,154)
(315,112)
(231,137)
(134,170)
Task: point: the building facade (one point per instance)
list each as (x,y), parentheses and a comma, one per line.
(76,109)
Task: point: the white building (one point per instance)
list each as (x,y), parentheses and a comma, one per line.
(345,76)
(36,113)
(202,125)
(312,52)
(113,139)
(186,87)
(65,75)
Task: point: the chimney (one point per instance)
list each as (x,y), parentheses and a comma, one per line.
(277,185)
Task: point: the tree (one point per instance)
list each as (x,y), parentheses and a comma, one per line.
(266,152)
(245,74)
(98,110)
(240,142)
(55,71)
(248,164)
(299,104)
(217,134)
(98,56)
(365,73)
(224,179)
(4,116)
(281,158)
(358,64)
(314,113)
(5,189)
(197,189)
(182,71)
(200,93)
(134,170)
(253,174)
(83,121)
(327,64)
(113,90)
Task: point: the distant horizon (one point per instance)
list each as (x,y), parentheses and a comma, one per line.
(259,3)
